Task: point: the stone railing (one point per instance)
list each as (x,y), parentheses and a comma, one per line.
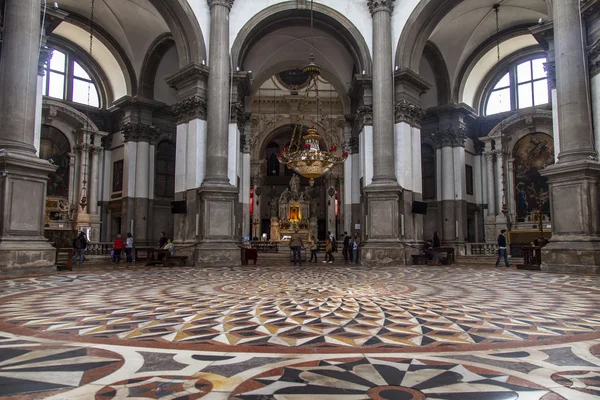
(481,249)
(99,248)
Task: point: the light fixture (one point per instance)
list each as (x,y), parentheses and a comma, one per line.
(307,159)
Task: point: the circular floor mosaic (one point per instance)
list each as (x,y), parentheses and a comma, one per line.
(313,309)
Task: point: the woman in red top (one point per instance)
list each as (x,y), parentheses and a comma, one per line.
(117,248)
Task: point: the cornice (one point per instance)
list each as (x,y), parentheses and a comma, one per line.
(194,107)
(380,5)
(191,73)
(415,81)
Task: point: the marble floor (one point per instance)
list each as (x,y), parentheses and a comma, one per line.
(291,333)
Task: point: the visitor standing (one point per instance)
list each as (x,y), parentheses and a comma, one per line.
(502,251)
(346,248)
(313,250)
(296,246)
(355,246)
(129,248)
(79,247)
(117,248)
(329,251)
(436,240)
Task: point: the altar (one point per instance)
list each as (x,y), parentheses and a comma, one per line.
(293,210)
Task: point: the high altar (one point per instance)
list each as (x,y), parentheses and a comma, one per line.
(294,210)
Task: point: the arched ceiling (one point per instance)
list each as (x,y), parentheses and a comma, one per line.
(468,25)
(133,24)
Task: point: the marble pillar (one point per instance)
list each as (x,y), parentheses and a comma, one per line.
(23,248)
(217,197)
(575,179)
(95,174)
(383,195)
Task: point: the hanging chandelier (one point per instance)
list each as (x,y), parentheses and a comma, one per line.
(304,155)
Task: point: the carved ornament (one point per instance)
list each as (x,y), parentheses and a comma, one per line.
(45,57)
(194,107)
(380,5)
(224,3)
(238,115)
(412,114)
(451,137)
(363,116)
(139,133)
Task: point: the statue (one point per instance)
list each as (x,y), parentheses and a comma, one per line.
(295,185)
(285,196)
(273,206)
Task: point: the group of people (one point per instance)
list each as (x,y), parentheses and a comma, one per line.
(350,249)
(118,247)
(430,246)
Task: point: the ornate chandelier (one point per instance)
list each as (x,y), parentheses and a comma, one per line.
(307,159)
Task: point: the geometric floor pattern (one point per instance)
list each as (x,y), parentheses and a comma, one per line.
(318,332)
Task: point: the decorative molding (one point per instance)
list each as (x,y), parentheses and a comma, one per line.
(238,115)
(412,114)
(45,57)
(224,3)
(107,142)
(412,81)
(139,133)
(594,58)
(550,68)
(380,5)
(194,107)
(55,108)
(187,75)
(479,146)
(450,137)
(246,144)
(362,117)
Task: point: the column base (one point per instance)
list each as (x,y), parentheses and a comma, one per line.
(383,245)
(582,257)
(23,248)
(218,227)
(574,195)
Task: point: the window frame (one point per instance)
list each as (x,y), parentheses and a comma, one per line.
(69,77)
(510,66)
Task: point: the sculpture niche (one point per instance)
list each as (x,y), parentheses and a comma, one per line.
(293,212)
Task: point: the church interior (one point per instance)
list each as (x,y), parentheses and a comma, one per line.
(225,127)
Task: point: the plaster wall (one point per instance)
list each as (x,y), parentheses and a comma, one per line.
(168,64)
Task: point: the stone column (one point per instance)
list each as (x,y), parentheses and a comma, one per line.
(499,181)
(217,197)
(96,151)
(575,179)
(489,162)
(383,107)
(384,206)
(23,248)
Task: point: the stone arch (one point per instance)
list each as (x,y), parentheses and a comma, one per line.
(419,27)
(184,27)
(434,57)
(68,120)
(512,129)
(325,18)
(152,60)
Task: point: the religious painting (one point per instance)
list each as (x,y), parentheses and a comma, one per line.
(531,154)
(117,185)
(55,148)
(294,213)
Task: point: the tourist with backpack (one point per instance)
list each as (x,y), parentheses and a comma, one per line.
(79,247)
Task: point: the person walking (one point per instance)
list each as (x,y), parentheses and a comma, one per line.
(79,247)
(355,246)
(117,248)
(502,251)
(329,251)
(296,246)
(129,248)
(346,248)
(313,250)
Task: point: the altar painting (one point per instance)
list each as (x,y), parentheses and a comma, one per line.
(531,154)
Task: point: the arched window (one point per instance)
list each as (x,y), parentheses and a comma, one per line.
(428,170)
(164,183)
(67,79)
(55,147)
(523,85)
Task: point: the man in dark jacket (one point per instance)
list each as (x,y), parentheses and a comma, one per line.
(79,246)
(502,251)
(346,248)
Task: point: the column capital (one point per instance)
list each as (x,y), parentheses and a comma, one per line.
(224,3)
(194,107)
(363,116)
(107,142)
(450,137)
(550,68)
(408,112)
(238,114)
(489,156)
(133,132)
(45,57)
(380,5)
(351,145)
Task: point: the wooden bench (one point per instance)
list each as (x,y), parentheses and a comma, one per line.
(532,258)
(165,258)
(450,257)
(248,254)
(421,259)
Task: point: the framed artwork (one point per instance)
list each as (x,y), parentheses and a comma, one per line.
(117,184)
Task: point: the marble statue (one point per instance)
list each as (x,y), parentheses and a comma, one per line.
(295,185)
